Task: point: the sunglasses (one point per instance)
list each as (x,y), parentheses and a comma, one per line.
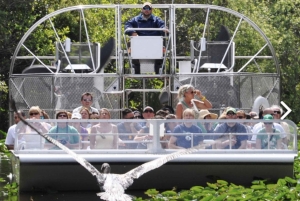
(147,8)
(277,112)
(62,115)
(230,113)
(240,117)
(34,113)
(148,111)
(137,117)
(87,100)
(268,123)
(192,92)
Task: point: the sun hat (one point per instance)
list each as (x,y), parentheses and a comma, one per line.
(204,113)
(231,109)
(268,117)
(76,116)
(148,107)
(147,4)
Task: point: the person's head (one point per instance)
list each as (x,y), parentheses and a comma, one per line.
(104,113)
(267,124)
(86,99)
(85,113)
(62,114)
(127,114)
(137,115)
(170,125)
(231,113)
(240,114)
(162,113)
(277,111)
(188,114)
(168,108)
(148,112)
(205,114)
(268,111)
(186,90)
(35,112)
(253,115)
(16,117)
(146,9)
(69,115)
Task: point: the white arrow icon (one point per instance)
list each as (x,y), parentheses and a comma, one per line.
(287,112)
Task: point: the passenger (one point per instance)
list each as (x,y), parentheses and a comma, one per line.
(104,135)
(257,127)
(148,113)
(86,101)
(82,131)
(188,133)
(130,128)
(277,115)
(11,133)
(268,141)
(145,20)
(168,108)
(44,115)
(70,115)
(253,115)
(186,97)
(33,140)
(143,135)
(240,114)
(64,133)
(207,127)
(169,129)
(84,112)
(225,141)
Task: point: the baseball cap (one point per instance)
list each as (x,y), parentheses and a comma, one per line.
(268,117)
(148,107)
(147,4)
(76,116)
(231,109)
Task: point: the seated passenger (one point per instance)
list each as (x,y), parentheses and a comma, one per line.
(84,134)
(129,128)
(268,141)
(64,133)
(225,141)
(188,133)
(33,140)
(143,135)
(207,127)
(104,134)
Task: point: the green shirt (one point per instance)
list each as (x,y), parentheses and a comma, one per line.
(272,141)
(72,139)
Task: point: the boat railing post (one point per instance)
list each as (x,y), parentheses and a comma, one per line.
(156,131)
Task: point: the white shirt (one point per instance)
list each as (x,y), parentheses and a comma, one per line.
(11,135)
(92,109)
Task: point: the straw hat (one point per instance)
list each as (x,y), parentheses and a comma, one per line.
(204,113)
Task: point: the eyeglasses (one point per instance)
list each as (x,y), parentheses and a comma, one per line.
(147,8)
(62,115)
(230,113)
(148,111)
(137,117)
(277,112)
(34,113)
(191,92)
(240,117)
(87,100)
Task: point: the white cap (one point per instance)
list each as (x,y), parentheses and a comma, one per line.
(76,116)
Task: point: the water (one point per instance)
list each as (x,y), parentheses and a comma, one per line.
(5,169)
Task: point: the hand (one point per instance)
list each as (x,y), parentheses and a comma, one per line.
(134,34)
(198,93)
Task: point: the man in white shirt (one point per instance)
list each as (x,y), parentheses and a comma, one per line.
(11,134)
(86,101)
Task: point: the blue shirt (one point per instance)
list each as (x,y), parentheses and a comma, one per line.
(140,22)
(190,133)
(237,128)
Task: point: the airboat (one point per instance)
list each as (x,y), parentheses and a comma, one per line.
(211,53)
